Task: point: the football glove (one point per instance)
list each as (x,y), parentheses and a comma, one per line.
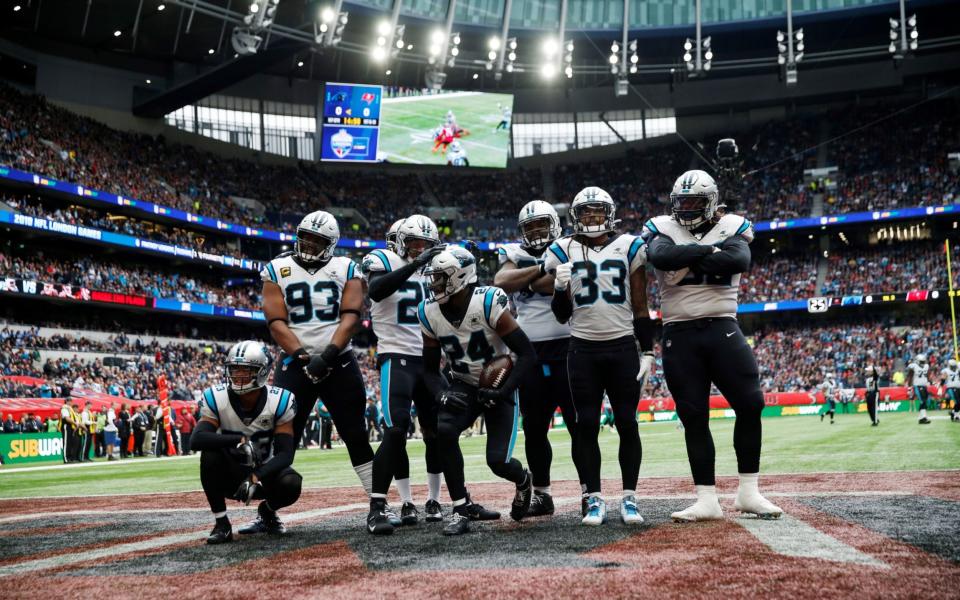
(301,356)
(246,454)
(562,278)
(646,367)
(455,402)
(490,397)
(320,365)
(427,255)
(247,490)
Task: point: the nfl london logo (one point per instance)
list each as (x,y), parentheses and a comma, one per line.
(341,143)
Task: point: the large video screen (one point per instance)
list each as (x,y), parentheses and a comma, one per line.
(368,123)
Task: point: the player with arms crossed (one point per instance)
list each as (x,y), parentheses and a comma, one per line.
(546,386)
(396,288)
(699,256)
(950,381)
(312,301)
(472,325)
(600,287)
(246,444)
(918,373)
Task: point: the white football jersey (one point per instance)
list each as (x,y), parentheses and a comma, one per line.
(278,407)
(312,296)
(829,388)
(474,341)
(685,296)
(951,377)
(395,317)
(919,373)
(533,308)
(872,383)
(600,284)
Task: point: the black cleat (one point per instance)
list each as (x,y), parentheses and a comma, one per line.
(477,512)
(409,515)
(875,423)
(821,417)
(378,521)
(267,521)
(459,522)
(222,532)
(521,500)
(434,512)
(924,421)
(541,505)
(392,516)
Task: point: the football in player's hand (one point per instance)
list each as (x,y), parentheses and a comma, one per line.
(495,372)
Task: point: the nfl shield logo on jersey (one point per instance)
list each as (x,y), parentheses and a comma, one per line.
(341,143)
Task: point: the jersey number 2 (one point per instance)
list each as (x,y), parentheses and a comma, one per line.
(407,306)
(478,349)
(299,296)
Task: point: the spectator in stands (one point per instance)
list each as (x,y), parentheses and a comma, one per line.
(88,426)
(110,431)
(30,424)
(10,426)
(372,414)
(139,425)
(124,430)
(326,426)
(187,423)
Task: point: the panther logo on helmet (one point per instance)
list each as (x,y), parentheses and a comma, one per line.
(317,237)
(592,212)
(449,272)
(694,199)
(416,234)
(248,366)
(539,224)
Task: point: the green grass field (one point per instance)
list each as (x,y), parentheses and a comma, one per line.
(406,128)
(791,445)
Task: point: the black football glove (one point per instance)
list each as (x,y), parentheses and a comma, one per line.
(247,491)
(427,255)
(245,454)
(455,402)
(320,364)
(490,397)
(300,356)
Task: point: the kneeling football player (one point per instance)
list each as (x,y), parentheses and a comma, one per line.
(472,325)
(246,444)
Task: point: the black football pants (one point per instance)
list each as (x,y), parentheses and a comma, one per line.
(544,388)
(696,353)
(502,421)
(343,393)
(221,475)
(595,369)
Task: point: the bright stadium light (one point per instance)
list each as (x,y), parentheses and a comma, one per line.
(378,53)
(493,43)
(437,36)
(548,70)
(383,28)
(549,47)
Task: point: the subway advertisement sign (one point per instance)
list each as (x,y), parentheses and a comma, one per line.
(21,448)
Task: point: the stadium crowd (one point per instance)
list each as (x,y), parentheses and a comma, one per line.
(107,276)
(887,268)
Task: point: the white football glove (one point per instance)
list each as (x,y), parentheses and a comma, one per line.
(646,367)
(562,278)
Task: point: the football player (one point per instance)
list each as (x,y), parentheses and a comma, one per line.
(600,287)
(312,301)
(472,325)
(457,156)
(950,381)
(392,235)
(830,388)
(699,256)
(395,287)
(917,378)
(246,443)
(546,387)
(871,376)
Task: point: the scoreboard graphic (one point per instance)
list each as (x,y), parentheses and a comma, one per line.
(351,122)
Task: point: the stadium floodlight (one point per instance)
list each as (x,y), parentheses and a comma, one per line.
(548,70)
(492,55)
(568,59)
(211,51)
(780,37)
(513,43)
(549,47)
(378,53)
(687,58)
(327,15)
(912,21)
(493,43)
(383,28)
(799,35)
(117,33)
(161,6)
(436,36)
(614,59)
(614,48)
(299,63)
(509,67)
(688,45)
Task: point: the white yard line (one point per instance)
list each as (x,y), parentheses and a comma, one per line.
(41,564)
(129,462)
(792,537)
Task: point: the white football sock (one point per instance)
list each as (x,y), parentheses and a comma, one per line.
(219,515)
(629,493)
(749,484)
(923,413)
(433,486)
(403,486)
(707,493)
(365,473)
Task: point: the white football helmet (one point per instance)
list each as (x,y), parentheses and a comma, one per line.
(416,227)
(588,200)
(694,199)
(449,272)
(539,224)
(248,366)
(921,359)
(952,364)
(392,235)
(317,237)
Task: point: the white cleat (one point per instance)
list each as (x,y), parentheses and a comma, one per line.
(756,504)
(701,510)
(629,512)
(596,512)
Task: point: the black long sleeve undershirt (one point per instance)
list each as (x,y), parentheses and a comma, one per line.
(666,255)
(205,437)
(283,450)
(383,284)
(519,344)
(733,258)
(561,305)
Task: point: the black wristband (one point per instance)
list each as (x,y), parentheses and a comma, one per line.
(276,319)
(643,331)
(348,311)
(543,270)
